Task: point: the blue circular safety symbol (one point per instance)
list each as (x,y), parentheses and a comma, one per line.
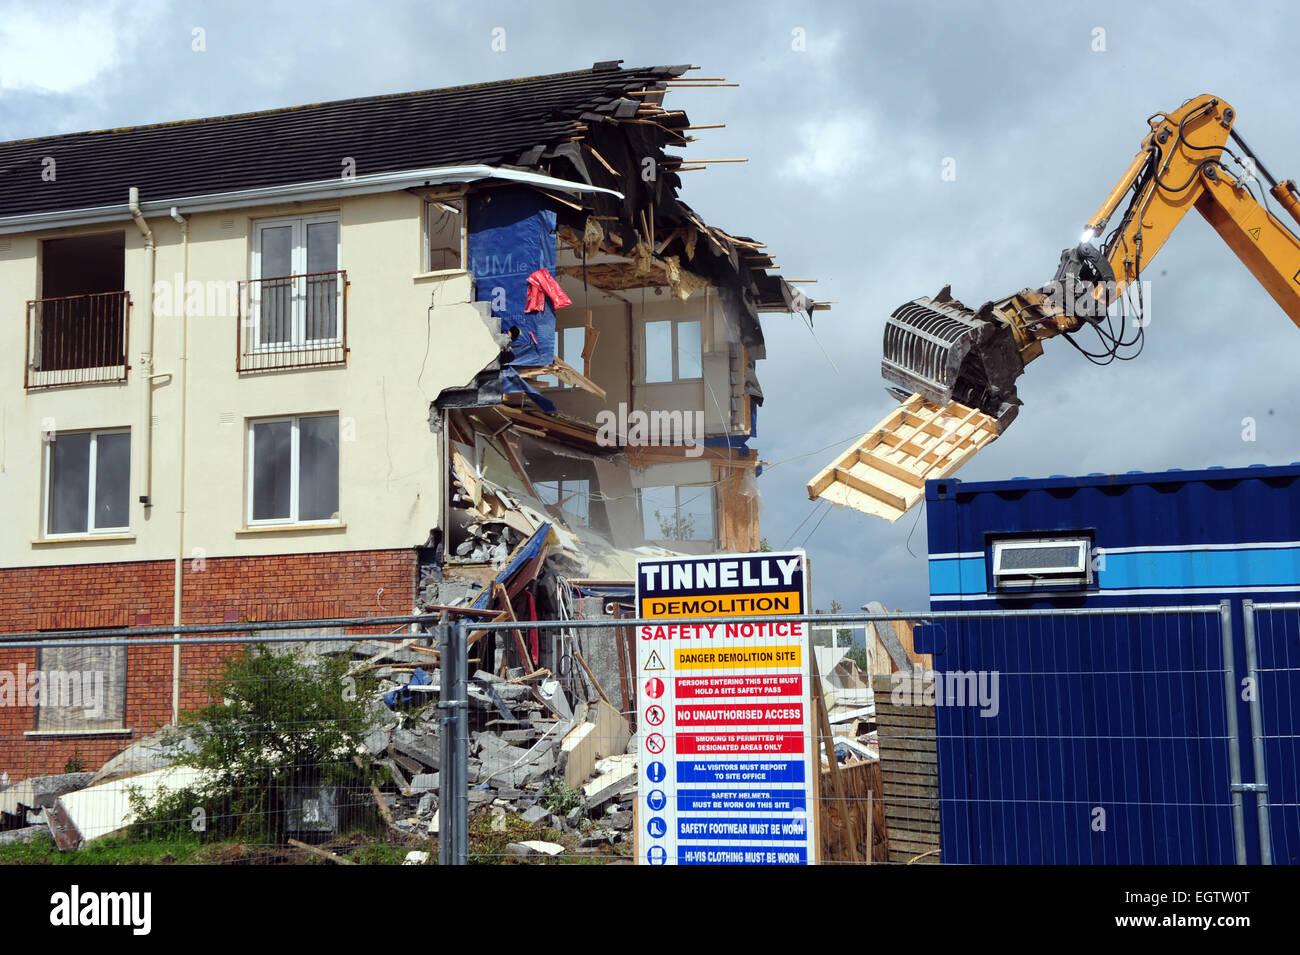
(657,827)
(656,799)
(656,772)
(657,855)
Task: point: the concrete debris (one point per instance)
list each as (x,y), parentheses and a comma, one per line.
(21,803)
(614,762)
(151,753)
(415,857)
(522,850)
(25,834)
(609,785)
(597,838)
(521,758)
(420,745)
(377,741)
(534,815)
(525,764)
(423,783)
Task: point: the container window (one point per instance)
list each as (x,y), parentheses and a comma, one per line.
(1060,563)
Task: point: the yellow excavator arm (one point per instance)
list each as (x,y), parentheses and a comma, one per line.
(1180,166)
(955,367)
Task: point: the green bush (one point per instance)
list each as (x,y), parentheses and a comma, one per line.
(282,721)
(560,799)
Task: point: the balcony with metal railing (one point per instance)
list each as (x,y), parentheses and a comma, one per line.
(77,339)
(292,321)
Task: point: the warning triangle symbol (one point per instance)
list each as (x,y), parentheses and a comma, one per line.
(1254,233)
(653,663)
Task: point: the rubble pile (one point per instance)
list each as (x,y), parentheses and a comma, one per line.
(535,758)
(23,805)
(532,755)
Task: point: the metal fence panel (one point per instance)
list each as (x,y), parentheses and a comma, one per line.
(1097,736)
(1276,735)
(1105,740)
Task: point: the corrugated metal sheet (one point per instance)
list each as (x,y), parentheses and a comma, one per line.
(1125,713)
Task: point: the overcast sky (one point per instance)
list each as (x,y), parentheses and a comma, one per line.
(847,140)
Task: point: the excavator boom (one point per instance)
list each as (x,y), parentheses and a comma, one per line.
(946,360)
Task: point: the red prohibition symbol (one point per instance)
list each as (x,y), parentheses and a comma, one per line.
(654,715)
(654,743)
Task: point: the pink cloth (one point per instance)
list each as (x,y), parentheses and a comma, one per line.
(541,284)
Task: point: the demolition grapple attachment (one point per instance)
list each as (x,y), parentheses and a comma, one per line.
(946,352)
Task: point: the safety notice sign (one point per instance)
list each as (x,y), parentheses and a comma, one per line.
(724,712)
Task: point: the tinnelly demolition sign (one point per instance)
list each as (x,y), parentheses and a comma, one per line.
(724,714)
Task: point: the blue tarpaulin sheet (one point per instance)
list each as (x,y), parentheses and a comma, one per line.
(511,236)
(402,696)
(527,551)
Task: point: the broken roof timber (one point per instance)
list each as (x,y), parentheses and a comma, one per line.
(540,129)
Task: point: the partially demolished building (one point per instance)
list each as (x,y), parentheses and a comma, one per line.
(483,358)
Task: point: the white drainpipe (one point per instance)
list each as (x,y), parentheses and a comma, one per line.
(180,483)
(145,374)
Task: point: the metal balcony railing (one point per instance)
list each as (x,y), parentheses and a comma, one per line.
(77,339)
(292,321)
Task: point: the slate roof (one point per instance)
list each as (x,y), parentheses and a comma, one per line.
(497,123)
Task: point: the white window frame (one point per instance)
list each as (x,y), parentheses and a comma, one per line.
(708,489)
(294,475)
(1076,574)
(298,340)
(430,201)
(561,484)
(551,381)
(675,348)
(92,463)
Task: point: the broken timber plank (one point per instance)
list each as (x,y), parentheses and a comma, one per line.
(846,815)
(322,853)
(909,773)
(594,682)
(567,374)
(384,812)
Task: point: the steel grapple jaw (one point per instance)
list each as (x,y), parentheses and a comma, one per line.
(946,352)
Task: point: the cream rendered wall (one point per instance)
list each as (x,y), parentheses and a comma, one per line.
(401,357)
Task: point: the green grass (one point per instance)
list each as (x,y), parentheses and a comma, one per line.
(486,847)
(361,849)
(42,851)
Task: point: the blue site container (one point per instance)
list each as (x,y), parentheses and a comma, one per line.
(1110,743)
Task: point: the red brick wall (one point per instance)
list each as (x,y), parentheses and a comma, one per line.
(225,589)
